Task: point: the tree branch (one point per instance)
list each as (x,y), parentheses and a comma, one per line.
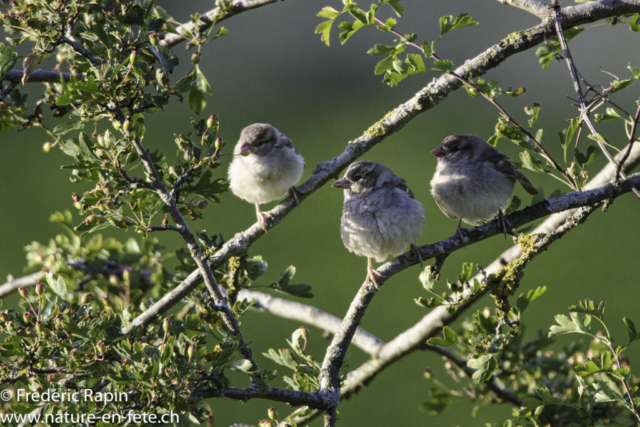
(310,315)
(292,397)
(12,284)
(207,19)
(38,76)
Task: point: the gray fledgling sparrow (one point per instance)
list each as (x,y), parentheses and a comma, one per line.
(380,215)
(266,165)
(474,181)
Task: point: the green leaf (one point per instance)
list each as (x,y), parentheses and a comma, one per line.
(594,366)
(568,325)
(349,29)
(634,23)
(427,49)
(384,65)
(447,23)
(516,93)
(299,290)
(58,286)
(444,65)
(395,5)
(533,113)
(359,14)
(8,58)
(286,277)
(610,115)
(242,365)
(631,329)
(380,49)
(529,404)
(531,163)
(199,90)
(567,135)
(449,338)
(328,12)
(607,391)
(426,278)
(598,137)
(439,400)
(524,299)
(484,365)
(589,307)
(68,126)
(582,159)
(209,187)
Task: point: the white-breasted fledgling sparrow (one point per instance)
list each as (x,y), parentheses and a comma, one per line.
(380,216)
(266,165)
(474,181)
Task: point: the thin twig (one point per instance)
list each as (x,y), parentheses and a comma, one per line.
(584,112)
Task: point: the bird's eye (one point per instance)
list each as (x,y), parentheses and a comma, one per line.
(357,177)
(454,148)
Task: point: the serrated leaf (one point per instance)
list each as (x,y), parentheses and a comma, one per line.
(200,89)
(448,23)
(444,65)
(395,5)
(568,325)
(524,299)
(8,58)
(631,329)
(607,391)
(484,365)
(68,126)
(589,307)
(439,400)
(449,338)
(380,49)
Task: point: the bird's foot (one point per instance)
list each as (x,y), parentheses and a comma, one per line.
(262,220)
(371,274)
(293,192)
(462,234)
(416,251)
(504,223)
(371,277)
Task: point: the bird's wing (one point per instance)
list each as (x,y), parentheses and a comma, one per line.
(504,165)
(443,210)
(402,185)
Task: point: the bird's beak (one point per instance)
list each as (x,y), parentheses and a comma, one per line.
(246,149)
(439,152)
(342,183)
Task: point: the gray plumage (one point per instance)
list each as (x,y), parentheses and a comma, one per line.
(266,165)
(380,217)
(473,180)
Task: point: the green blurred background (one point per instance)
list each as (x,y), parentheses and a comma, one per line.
(273,68)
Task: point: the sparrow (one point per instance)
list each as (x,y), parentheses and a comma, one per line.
(474,181)
(266,165)
(380,216)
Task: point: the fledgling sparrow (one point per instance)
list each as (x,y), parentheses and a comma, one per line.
(474,181)
(265,167)
(380,216)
